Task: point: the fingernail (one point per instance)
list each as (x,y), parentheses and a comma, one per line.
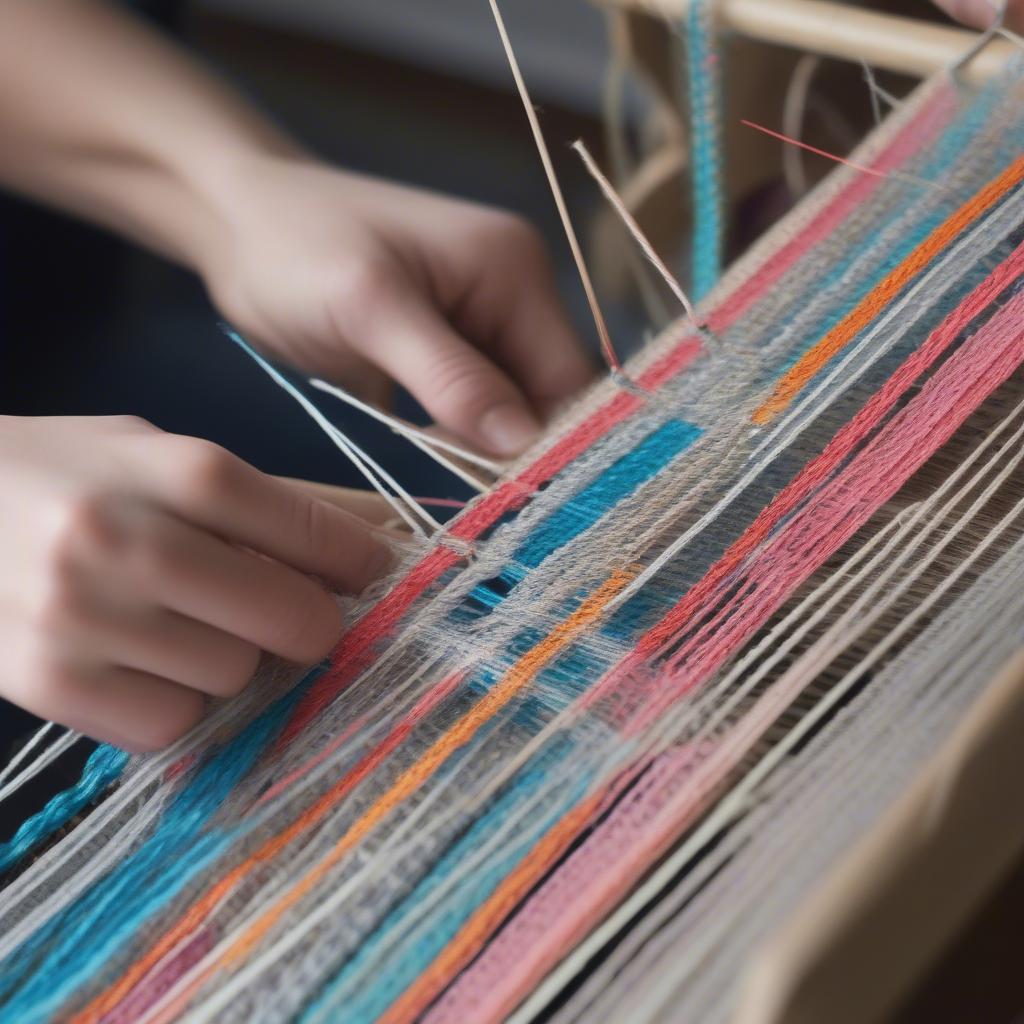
(382,561)
(976,13)
(508,429)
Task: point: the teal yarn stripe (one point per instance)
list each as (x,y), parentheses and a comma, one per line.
(705,142)
(103,768)
(362,990)
(46,971)
(615,484)
(936,164)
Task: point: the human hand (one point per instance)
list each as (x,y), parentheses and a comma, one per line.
(351,279)
(143,571)
(980,13)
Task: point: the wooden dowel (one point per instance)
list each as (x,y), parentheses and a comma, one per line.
(886,41)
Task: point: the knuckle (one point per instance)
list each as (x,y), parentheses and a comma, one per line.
(519,235)
(360,284)
(203,469)
(82,524)
(83,532)
(131,424)
(460,385)
(310,521)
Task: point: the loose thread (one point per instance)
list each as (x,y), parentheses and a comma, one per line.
(556,191)
(634,229)
(863,168)
(407,430)
(46,758)
(37,737)
(401,504)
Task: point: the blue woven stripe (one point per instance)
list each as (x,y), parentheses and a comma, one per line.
(363,990)
(103,768)
(46,970)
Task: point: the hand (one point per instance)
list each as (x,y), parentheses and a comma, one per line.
(979,13)
(334,272)
(144,571)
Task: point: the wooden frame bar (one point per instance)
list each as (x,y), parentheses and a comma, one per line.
(839,30)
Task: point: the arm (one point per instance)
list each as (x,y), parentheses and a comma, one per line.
(144,572)
(342,275)
(103,117)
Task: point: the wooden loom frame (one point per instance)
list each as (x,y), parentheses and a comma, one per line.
(768,35)
(838,30)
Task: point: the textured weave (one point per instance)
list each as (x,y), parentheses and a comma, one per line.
(698,618)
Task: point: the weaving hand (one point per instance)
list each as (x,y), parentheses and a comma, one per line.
(454,301)
(144,571)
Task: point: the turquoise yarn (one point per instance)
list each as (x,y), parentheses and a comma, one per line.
(103,768)
(706,156)
(80,941)
(356,997)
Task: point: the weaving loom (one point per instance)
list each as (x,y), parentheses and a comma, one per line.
(661,725)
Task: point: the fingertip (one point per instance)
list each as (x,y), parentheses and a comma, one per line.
(322,631)
(380,560)
(173,712)
(509,429)
(977,14)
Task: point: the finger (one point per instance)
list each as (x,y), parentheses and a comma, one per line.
(459,386)
(538,346)
(220,493)
(164,644)
(186,570)
(366,505)
(975,13)
(135,711)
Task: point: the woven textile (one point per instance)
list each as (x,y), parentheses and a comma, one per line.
(708,610)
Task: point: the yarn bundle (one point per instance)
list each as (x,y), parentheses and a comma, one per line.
(595,739)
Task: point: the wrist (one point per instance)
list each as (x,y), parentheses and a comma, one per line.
(211,194)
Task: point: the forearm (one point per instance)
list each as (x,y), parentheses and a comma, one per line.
(101,116)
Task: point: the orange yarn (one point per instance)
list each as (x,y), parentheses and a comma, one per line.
(404,786)
(884,292)
(476,931)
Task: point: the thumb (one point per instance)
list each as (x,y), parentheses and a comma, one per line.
(459,386)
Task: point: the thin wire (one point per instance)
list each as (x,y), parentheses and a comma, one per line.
(27,749)
(813,149)
(995,29)
(794,109)
(877,92)
(442,502)
(620,158)
(359,458)
(369,466)
(545,157)
(634,229)
(832,156)
(47,757)
(407,430)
